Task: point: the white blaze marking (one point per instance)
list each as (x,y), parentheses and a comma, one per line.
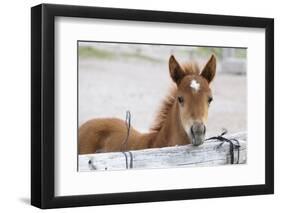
(195,85)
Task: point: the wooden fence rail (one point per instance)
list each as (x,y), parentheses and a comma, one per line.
(210,153)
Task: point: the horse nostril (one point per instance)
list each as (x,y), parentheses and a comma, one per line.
(198,128)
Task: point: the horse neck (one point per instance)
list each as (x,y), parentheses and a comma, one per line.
(172,132)
(148,139)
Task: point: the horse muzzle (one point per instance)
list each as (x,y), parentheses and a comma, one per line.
(198,130)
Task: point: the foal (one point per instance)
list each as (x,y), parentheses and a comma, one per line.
(181,119)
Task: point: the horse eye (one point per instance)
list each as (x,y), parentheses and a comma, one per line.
(180,99)
(210,99)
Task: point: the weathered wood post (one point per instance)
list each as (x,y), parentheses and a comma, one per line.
(209,154)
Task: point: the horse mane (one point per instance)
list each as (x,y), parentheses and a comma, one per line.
(190,68)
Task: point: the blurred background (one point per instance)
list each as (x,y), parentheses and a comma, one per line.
(115,77)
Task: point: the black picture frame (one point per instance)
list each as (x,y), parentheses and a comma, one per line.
(43,102)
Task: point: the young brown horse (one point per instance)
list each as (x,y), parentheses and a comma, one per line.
(181,119)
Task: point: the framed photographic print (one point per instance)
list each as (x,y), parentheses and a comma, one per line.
(139,106)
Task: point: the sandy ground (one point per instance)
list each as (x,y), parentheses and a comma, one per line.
(107,88)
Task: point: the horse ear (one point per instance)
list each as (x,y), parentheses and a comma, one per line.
(209,71)
(176,72)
